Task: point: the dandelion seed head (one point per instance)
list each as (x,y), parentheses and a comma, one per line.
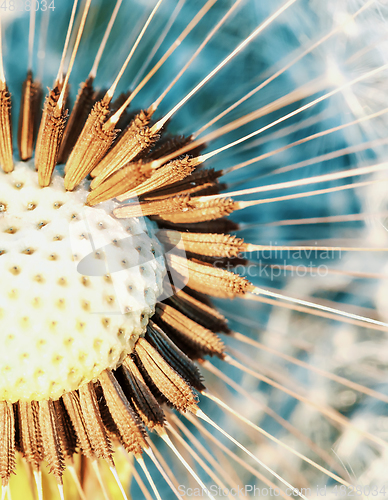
(342,349)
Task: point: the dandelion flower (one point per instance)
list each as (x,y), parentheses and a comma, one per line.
(143,274)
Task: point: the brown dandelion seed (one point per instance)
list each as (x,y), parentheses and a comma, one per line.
(72,404)
(6,161)
(181,209)
(170,384)
(176,357)
(201,181)
(29,442)
(95,429)
(171,172)
(128,177)
(141,396)
(188,332)
(198,310)
(169,205)
(202,211)
(50,437)
(212,245)
(131,430)
(29,116)
(207,279)
(65,430)
(7,442)
(49,136)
